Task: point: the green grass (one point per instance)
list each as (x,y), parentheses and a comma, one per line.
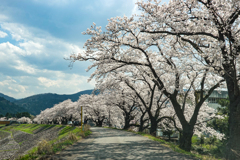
(28,128)
(65,130)
(5,131)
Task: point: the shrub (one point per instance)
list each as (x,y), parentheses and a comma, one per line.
(201,150)
(202,139)
(195,139)
(72,137)
(44,147)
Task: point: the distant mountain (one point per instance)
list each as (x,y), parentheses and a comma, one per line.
(11,99)
(7,106)
(34,104)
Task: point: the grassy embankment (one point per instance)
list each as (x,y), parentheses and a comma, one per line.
(209,154)
(66,136)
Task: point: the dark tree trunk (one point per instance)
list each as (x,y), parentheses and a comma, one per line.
(64,121)
(126,126)
(185,141)
(233,149)
(141,126)
(233,146)
(99,123)
(153,128)
(127,122)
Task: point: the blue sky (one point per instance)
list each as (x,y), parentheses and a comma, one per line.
(36,36)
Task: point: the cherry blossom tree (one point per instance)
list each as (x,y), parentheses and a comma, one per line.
(59,114)
(125,45)
(120,95)
(3,119)
(209,29)
(12,119)
(97,109)
(126,102)
(144,90)
(25,120)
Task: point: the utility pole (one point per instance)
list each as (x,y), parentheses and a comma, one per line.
(109,125)
(82,118)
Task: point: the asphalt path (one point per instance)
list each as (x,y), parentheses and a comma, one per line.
(111,144)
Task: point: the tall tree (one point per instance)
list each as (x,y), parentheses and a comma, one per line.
(210,30)
(161,58)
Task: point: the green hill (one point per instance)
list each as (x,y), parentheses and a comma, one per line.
(34,104)
(7,106)
(11,99)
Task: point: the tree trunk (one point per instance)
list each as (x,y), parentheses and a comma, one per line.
(141,128)
(99,123)
(233,147)
(185,141)
(153,128)
(127,121)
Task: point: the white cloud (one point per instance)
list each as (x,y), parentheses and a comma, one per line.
(36,41)
(32,47)
(28,58)
(47,82)
(13,89)
(21,32)
(59,82)
(3,34)
(8,50)
(63,82)
(24,67)
(12,86)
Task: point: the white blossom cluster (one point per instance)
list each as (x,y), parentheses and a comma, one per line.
(25,120)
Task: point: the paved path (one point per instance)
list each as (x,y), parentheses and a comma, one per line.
(116,144)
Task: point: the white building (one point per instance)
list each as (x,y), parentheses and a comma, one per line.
(215,97)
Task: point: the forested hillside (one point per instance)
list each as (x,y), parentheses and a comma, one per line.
(34,104)
(9,107)
(11,99)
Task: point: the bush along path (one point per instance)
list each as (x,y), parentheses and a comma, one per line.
(33,141)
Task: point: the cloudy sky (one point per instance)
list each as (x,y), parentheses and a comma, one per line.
(36,36)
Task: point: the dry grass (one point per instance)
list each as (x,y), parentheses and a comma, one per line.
(82,134)
(87,127)
(44,147)
(72,137)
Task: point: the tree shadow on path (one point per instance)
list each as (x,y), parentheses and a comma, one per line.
(115,144)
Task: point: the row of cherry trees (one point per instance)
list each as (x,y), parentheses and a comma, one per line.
(184,49)
(123,107)
(60,113)
(21,120)
(125,102)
